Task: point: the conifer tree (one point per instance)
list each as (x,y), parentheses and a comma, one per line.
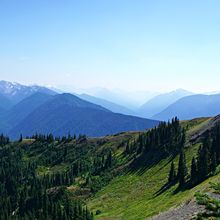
(203,162)
(108,163)
(172,173)
(194,172)
(182,169)
(21,138)
(127,149)
(69,138)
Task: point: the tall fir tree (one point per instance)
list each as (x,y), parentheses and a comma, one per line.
(21,138)
(172,173)
(194,172)
(182,169)
(203,162)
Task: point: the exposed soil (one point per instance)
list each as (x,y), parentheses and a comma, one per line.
(187,211)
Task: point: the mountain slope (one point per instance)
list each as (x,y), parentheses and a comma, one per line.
(192,107)
(106,104)
(160,102)
(143,193)
(21,110)
(67,113)
(116,190)
(16,92)
(5,103)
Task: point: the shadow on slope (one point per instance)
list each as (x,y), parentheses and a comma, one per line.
(146,161)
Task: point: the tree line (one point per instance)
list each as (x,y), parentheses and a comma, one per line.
(167,138)
(203,165)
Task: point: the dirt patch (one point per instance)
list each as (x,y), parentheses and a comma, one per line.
(185,212)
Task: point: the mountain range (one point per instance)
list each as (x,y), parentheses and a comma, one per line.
(107,104)
(66,113)
(31,109)
(161,102)
(129,99)
(41,110)
(191,107)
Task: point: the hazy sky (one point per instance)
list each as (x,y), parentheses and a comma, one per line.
(129,44)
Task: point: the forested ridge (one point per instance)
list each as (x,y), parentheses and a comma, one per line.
(47,177)
(26,195)
(29,190)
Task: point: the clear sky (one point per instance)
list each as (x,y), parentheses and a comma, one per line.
(128,44)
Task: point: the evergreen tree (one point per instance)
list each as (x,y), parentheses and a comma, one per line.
(108,163)
(127,149)
(49,138)
(21,138)
(172,173)
(194,172)
(182,169)
(203,162)
(213,156)
(69,138)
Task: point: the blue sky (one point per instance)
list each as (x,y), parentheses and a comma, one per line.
(133,45)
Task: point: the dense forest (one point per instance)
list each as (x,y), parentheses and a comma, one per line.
(167,138)
(27,192)
(25,195)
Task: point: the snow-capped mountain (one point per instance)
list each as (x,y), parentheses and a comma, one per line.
(17,92)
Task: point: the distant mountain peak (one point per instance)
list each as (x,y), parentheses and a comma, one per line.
(74,101)
(161,102)
(9,87)
(193,106)
(17,92)
(180,90)
(64,113)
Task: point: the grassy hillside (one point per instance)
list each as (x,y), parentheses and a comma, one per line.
(113,183)
(141,194)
